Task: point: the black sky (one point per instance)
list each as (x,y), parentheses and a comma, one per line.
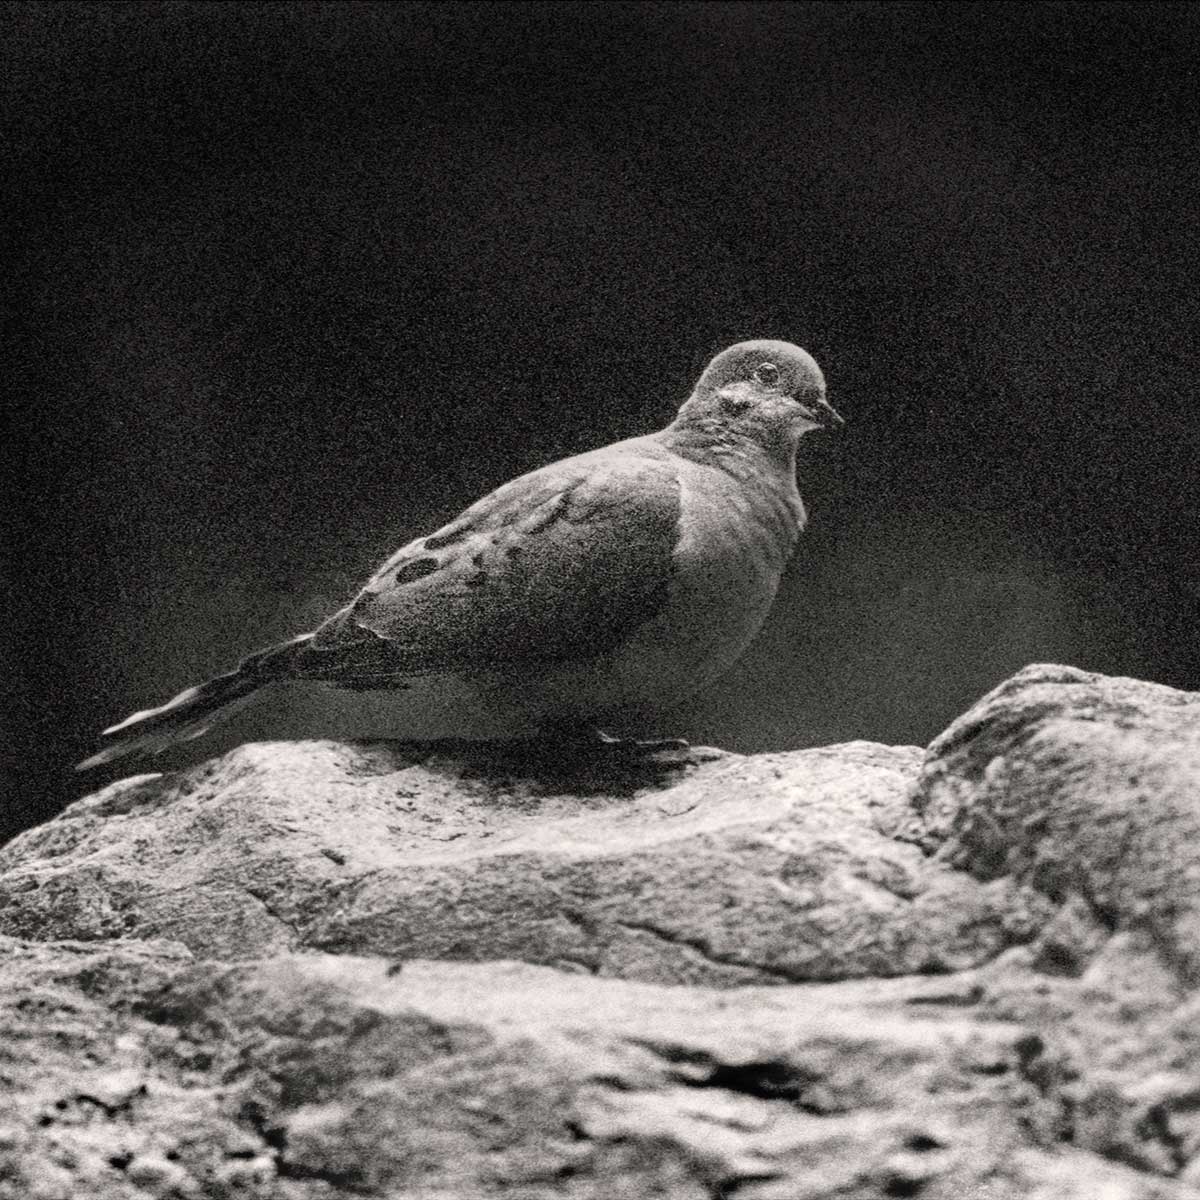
(289,282)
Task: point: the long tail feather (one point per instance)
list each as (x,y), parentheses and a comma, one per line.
(195,710)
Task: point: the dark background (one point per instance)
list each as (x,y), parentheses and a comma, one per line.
(291,282)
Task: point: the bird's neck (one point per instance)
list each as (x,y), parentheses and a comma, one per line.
(766,472)
(743,454)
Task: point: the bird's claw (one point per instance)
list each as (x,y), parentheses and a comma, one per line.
(639,746)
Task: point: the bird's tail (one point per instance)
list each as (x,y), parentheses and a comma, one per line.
(194,711)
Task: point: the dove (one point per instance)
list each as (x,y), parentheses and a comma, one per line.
(594,592)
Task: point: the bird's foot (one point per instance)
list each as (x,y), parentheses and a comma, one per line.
(637,746)
(583,753)
(596,743)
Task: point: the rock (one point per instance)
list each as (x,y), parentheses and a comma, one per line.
(136,1072)
(858,971)
(1084,788)
(717,868)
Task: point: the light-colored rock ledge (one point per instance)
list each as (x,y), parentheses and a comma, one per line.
(313,970)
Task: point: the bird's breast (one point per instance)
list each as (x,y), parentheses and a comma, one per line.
(735,539)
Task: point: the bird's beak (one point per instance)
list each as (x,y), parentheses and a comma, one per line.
(821,413)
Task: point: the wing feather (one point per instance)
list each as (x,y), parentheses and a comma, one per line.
(560,563)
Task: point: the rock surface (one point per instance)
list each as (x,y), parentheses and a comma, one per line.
(852,971)
(716,868)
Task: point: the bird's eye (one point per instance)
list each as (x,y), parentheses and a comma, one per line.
(767,373)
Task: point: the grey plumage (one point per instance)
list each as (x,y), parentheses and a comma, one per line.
(600,587)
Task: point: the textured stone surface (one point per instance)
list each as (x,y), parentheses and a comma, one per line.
(717,869)
(137,1073)
(1087,789)
(858,971)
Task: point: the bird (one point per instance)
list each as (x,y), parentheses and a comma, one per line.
(595,592)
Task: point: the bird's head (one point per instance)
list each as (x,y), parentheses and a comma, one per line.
(769,392)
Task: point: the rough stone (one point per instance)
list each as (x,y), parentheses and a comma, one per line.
(858,971)
(712,868)
(1087,789)
(136,1072)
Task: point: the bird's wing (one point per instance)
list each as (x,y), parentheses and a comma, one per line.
(561,563)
